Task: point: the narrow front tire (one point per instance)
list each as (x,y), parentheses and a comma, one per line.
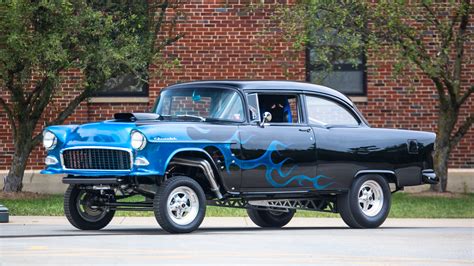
(82,208)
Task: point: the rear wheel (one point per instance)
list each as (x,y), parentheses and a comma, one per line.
(265,218)
(180,205)
(367,204)
(82,208)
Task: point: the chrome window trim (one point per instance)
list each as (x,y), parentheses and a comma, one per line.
(374,171)
(97,147)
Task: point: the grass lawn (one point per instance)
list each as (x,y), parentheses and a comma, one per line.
(404,205)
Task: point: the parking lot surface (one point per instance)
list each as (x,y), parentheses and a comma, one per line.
(315,241)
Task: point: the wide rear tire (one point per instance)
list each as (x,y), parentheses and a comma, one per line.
(270,219)
(367,203)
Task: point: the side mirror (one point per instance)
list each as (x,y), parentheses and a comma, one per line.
(267,117)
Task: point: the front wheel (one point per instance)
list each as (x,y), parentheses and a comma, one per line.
(275,219)
(180,205)
(82,208)
(367,203)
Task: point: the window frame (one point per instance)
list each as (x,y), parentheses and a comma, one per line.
(362,67)
(251,120)
(299,97)
(344,105)
(242,96)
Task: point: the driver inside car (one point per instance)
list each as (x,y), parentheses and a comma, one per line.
(278,106)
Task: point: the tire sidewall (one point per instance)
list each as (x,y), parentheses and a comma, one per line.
(265,218)
(161,201)
(73,216)
(279,220)
(362,219)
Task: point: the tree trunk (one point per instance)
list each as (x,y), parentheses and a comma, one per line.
(446,122)
(23,146)
(441,167)
(14,178)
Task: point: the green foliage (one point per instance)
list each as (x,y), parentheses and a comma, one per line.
(404,205)
(330,28)
(420,38)
(43,38)
(333,33)
(418,34)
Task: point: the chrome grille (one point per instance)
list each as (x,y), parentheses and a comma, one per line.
(96,159)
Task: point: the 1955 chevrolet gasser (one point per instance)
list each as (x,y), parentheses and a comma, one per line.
(271,147)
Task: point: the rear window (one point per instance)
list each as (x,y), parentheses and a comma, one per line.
(327,112)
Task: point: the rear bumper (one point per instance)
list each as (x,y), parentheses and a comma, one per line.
(429,177)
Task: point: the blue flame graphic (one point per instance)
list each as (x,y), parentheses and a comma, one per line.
(283,179)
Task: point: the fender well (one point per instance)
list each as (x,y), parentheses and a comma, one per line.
(389,175)
(203,162)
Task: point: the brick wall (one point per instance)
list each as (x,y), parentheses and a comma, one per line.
(220,42)
(410,101)
(396,103)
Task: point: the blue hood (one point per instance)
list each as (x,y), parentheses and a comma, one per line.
(107,133)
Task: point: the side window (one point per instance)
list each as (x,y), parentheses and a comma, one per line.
(327,112)
(284,108)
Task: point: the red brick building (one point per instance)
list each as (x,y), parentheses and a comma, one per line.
(220,42)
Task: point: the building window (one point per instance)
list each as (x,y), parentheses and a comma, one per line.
(133,83)
(129,84)
(348,78)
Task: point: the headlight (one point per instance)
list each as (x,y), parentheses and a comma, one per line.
(138,140)
(49,140)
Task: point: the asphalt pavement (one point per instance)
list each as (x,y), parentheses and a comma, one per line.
(221,241)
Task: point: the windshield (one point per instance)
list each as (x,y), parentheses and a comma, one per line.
(203,104)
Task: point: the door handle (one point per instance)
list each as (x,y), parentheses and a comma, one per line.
(305,130)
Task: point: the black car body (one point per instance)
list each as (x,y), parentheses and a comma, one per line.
(268,146)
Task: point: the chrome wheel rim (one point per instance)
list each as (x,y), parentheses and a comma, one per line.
(370,198)
(86,210)
(183,205)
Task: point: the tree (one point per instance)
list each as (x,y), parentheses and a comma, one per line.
(426,36)
(40,40)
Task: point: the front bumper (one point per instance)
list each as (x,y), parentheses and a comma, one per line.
(429,177)
(71,180)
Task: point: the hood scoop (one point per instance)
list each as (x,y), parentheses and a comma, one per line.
(132,117)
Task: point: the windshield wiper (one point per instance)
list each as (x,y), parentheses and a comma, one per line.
(163,117)
(194,117)
(212,119)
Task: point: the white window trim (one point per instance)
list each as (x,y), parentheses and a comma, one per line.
(119,100)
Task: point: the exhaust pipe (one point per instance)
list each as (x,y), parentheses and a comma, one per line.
(429,177)
(206,168)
